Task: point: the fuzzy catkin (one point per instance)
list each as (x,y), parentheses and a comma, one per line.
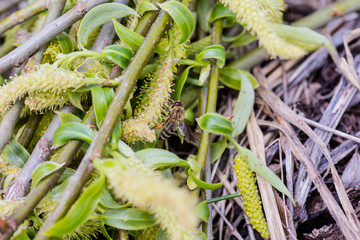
(248,190)
(173,207)
(256,20)
(44,78)
(150,110)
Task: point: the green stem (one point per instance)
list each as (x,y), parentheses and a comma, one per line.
(22,15)
(212,95)
(127,83)
(315,20)
(217,199)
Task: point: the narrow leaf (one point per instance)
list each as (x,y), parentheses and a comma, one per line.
(131,38)
(119,55)
(68,117)
(128,218)
(70,131)
(205,72)
(302,36)
(75,99)
(107,200)
(243,107)
(80,211)
(215,123)
(160,159)
(203,212)
(220,11)
(66,174)
(66,44)
(180,83)
(217,149)
(205,185)
(101,98)
(44,170)
(15,154)
(100,15)
(232,77)
(216,52)
(260,168)
(146,6)
(182,17)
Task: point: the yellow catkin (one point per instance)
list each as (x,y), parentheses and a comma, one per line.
(51,52)
(150,110)
(249,192)
(43,78)
(273,8)
(256,20)
(7,207)
(8,170)
(173,207)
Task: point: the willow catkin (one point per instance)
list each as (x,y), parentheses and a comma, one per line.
(249,192)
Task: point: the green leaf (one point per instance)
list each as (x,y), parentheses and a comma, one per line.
(104,232)
(217,149)
(125,150)
(220,11)
(128,218)
(75,99)
(160,159)
(131,38)
(21,236)
(161,234)
(66,44)
(232,77)
(15,154)
(256,165)
(203,211)
(68,117)
(216,52)
(204,185)
(243,108)
(107,200)
(101,98)
(243,39)
(182,17)
(215,123)
(44,170)
(81,209)
(195,166)
(180,83)
(115,136)
(205,72)
(100,15)
(146,6)
(302,37)
(66,174)
(119,55)
(70,131)
(203,9)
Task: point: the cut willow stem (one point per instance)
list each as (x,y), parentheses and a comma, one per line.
(128,82)
(314,20)
(23,15)
(21,53)
(66,154)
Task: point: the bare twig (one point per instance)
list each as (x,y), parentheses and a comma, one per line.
(8,123)
(21,53)
(22,15)
(20,186)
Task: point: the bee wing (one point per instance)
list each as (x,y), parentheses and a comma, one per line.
(182,129)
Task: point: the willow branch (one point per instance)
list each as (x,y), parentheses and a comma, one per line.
(127,83)
(8,122)
(314,20)
(21,53)
(29,130)
(22,15)
(5,5)
(66,154)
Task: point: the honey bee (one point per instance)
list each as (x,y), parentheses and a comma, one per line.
(175,120)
